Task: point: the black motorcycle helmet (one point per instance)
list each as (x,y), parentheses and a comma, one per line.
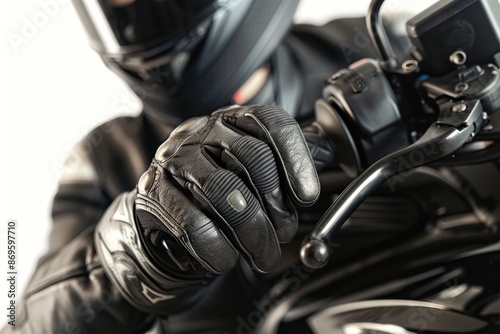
(185,58)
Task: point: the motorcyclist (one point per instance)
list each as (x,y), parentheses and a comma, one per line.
(134,240)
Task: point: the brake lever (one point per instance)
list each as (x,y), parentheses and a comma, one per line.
(457,124)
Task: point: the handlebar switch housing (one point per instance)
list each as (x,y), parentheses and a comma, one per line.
(366,102)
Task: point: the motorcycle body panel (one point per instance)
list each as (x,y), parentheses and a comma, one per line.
(435,269)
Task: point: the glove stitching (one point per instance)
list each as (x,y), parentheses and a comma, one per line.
(278,154)
(165,218)
(207,156)
(156,182)
(183,237)
(208,226)
(202,133)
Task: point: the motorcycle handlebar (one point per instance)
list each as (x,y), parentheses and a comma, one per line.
(441,139)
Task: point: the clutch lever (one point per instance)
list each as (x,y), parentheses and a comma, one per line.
(457,124)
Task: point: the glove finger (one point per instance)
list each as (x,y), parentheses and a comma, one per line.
(276,127)
(199,235)
(256,159)
(225,195)
(245,221)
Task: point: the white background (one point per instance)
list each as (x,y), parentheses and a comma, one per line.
(53,90)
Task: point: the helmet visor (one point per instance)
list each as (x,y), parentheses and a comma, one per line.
(122,26)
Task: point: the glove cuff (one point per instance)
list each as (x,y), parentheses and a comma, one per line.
(127,263)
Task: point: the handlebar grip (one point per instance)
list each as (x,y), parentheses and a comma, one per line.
(321,148)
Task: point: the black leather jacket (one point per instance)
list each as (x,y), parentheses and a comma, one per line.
(70,293)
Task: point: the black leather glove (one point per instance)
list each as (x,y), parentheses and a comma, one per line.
(220,186)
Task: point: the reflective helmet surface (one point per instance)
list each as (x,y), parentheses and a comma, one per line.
(185,58)
(120,27)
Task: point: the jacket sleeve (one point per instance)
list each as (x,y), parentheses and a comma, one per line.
(69,291)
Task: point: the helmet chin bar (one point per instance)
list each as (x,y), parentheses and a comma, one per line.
(165,71)
(165,65)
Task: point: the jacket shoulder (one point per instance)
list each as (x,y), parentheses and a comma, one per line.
(121,150)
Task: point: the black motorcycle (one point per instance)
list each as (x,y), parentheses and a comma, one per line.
(409,147)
